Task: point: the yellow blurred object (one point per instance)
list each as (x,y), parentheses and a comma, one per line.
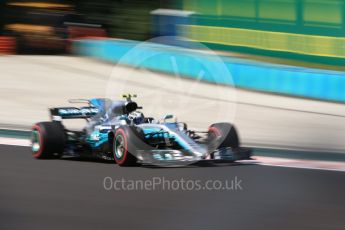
(29,28)
(325,46)
(43,5)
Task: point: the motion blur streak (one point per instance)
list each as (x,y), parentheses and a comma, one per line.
(279,69)
(263,119)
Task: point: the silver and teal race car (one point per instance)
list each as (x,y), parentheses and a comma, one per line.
(118,130)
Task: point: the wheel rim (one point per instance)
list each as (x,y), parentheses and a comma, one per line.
(35,141)
(119,146)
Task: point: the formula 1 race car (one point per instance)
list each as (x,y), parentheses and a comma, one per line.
(117,130)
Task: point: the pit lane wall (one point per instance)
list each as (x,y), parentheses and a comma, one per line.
(281,79)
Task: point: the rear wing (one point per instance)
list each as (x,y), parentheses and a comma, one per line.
(72,112)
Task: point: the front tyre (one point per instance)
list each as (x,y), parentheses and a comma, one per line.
(222,135)
(47,140)
(127,140)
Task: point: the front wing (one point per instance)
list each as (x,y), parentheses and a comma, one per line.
(178,157)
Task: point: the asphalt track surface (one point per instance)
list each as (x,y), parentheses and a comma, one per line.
(69,194)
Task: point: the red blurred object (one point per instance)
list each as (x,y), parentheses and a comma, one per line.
(7,45)
(82,31)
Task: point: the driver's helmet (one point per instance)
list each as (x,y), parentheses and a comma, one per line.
(137,117)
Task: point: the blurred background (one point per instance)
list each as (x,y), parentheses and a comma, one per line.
(285,58)
(308,30)
(274,68)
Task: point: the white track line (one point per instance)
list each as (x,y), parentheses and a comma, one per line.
(304,167)
(301,163)
(14,141)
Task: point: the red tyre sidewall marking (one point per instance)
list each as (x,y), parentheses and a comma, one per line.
(214,130)
(39,153)
(122,132)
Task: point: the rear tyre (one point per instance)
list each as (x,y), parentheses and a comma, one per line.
(48,140)
(127,140)
(222,135)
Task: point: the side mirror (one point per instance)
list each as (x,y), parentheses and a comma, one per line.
(168,116)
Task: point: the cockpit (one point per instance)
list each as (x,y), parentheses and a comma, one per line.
(112,111)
